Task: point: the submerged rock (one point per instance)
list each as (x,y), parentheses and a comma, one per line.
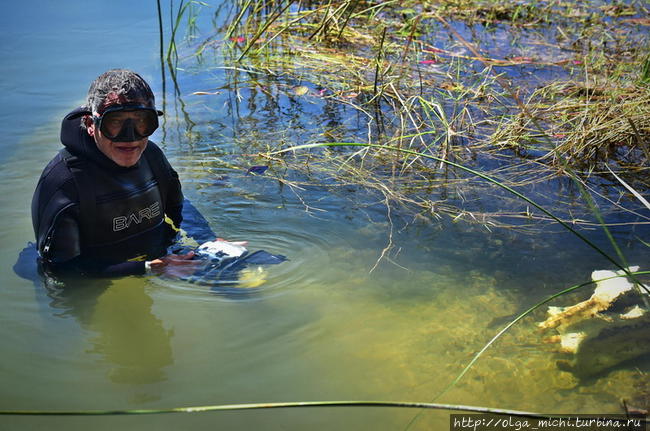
(610,327)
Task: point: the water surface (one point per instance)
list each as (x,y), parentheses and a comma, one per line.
(334,322)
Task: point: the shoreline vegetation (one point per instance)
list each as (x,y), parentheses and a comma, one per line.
(547,101)
(531,94)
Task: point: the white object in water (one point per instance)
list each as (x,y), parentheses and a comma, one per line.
(221,249)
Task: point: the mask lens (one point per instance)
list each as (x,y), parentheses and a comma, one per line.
(143,123)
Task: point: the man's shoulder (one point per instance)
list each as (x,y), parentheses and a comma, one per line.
(56,175)
(57,169)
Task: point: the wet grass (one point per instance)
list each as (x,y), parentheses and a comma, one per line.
(528,94)
(538,88)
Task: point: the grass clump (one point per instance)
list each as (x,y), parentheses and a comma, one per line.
(523,90)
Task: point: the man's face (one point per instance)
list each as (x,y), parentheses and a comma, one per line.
(125,154)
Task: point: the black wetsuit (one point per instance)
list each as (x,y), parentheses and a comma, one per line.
(92,216)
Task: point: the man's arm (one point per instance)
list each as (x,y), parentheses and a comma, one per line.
(62,254)
(174,199)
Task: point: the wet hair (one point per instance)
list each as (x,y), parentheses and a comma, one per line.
(118,87)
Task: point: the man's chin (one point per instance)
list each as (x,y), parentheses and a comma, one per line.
(127,154)
(127,160)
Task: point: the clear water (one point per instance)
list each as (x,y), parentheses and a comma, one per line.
(329,324)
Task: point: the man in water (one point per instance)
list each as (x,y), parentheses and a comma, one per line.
(101,204)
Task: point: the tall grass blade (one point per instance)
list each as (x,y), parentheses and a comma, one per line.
(351,6)
(378,61)
(235,22)
(162,53)
(172,40)
(327,16)
(285,405)
(262,29)
(630,189)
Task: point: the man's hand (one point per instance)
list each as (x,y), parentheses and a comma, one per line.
(176,265)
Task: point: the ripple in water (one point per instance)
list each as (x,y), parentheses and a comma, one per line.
(306,250)
(258,209)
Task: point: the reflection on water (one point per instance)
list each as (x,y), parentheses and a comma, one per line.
(129,336)
(122,329)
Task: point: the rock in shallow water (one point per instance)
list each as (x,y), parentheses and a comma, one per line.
(610,327)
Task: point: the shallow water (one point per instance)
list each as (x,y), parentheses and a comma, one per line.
(329,324)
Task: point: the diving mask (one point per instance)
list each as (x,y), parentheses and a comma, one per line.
(128,123)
